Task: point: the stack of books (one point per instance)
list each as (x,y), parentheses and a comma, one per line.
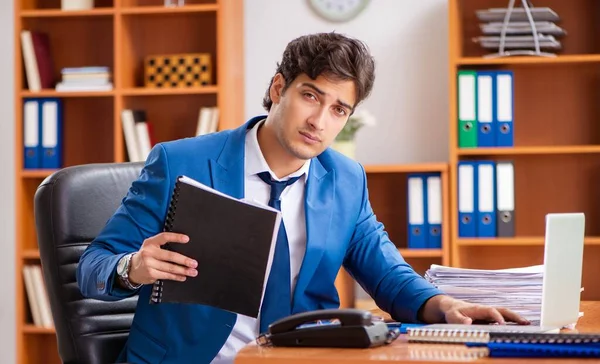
(519,34)
(85,79)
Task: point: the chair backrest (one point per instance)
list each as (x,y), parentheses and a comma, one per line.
(71,207)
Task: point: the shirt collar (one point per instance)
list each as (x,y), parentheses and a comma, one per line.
(255,161)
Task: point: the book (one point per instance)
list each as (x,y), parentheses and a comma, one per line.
(233,242)
(459,333)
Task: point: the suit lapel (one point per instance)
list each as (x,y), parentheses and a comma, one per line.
(319,202)
(227,171)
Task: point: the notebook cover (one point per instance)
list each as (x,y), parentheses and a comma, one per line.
(526,350)
(230,240)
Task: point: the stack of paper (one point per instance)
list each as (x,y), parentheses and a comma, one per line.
(518,289)
(519,34)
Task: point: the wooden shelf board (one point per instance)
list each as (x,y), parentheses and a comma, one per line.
(54,93)
(574,149)
(31,254)
(421,253)
(49,13)
(166,10)
(142,91)
(517,241)
(561,59)
(36,173)
(31,329)
(406,168)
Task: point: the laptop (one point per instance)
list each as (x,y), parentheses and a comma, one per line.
(563,266)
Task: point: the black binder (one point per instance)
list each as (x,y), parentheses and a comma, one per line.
(232,241)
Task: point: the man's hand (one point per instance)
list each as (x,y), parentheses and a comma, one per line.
(152,263)
(447,309)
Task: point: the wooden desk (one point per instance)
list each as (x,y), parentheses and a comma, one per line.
(400,351)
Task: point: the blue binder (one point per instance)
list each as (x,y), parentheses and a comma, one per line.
(505,109)
(486,199)
(51,115)
(486,109)
(417,211)
(433,203)
(32,126)
(467,199)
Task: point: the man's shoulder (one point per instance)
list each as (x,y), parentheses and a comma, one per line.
(343,166)
(208,145)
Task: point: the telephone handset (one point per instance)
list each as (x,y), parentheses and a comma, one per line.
(350,328)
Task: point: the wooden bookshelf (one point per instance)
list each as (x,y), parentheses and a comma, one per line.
(117,34)
(387,186)
(556,137)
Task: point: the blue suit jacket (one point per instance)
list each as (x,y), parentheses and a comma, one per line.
(341,230)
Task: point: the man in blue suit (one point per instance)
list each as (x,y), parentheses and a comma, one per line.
(281,159)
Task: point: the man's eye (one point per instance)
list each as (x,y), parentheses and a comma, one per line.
(309,96)
(340,111)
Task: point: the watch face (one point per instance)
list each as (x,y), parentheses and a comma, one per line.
(121,265)
(338,10)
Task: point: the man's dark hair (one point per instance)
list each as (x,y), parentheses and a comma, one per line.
(332,55)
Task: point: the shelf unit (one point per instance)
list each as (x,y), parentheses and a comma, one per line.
(118,34)
(387,186)
(556,136)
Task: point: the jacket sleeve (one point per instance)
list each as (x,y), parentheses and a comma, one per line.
(375,263)
(140,215)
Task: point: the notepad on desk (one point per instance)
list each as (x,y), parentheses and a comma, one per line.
(564,345)
(463,334)
(231,239)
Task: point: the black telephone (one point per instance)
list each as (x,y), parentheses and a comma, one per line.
(345,328)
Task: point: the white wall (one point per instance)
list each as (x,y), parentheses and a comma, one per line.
(7,185)
(409,42)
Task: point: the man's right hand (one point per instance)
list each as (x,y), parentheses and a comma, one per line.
(152,263)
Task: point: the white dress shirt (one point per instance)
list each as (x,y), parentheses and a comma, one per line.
(246,328)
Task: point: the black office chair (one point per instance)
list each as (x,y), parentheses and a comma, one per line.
(71,207)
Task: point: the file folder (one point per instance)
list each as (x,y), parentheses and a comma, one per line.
(467,109)
(434,210)
(486,211)
(467,195)
(486,95)
(505,198)
(417,205)
(51,133)
(505,109)
(31,134)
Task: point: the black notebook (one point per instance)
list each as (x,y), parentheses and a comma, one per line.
(232,240)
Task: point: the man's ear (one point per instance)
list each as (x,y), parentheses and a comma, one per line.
(276,89)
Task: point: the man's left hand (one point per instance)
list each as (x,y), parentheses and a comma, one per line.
(447,309)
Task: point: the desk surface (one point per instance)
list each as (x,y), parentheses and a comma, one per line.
(401,351)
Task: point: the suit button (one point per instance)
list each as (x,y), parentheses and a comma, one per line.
(100,286)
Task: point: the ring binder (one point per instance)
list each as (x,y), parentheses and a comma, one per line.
(157,287)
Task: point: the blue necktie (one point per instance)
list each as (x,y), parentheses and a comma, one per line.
(277,302)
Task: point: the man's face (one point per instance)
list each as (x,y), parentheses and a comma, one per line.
(310,113)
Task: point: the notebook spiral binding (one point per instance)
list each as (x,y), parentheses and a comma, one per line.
(567,338)
(157,287)
(422,334)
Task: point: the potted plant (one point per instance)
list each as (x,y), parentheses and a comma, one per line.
(345,141)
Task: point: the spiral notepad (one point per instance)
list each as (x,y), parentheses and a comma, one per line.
(456,333)
(232,241)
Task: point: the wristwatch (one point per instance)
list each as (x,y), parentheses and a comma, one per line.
(123,268)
